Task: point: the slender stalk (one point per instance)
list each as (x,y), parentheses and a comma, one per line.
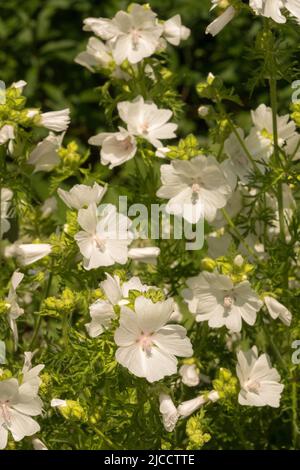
(295,428)
(273,98)
(238,235)
(39,321)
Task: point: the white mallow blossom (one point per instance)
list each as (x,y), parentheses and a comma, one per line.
(6,196)
(97,54)
(260,141)
(57,121)
(29,253)
(174,31)
(147,254)
(14,311)
(196,188)
(102,310)
(19,401)
(267,8)
(132,35)
(48,207)
(260,383)
(169,412)
(214,298)
(105,236)
(148,346)
(222,20)
(116,147)
(45,155)
(188,407)
(37,444)
(277,310)
(272,9)
(81,195)
(7,133)
(144,119)
(239,162)
(190,375)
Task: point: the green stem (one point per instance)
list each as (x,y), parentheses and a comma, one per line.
(238,235)
(106,439)
(273,98)
(295,428)
(39,321)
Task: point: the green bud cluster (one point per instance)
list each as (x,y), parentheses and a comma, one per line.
(196,435)
(13,111)
(59,306)
(73,411)
(186,149)
(226,384)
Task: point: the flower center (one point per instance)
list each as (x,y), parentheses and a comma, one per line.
(196,188)
(135,38)
(127,144)
(253,386)
(99,242)
(4,411)
(145,127)
(228,301)
(145,342)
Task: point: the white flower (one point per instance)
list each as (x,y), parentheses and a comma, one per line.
(239,161)
(277,310)
(218,244)
(31,252)
(18,402)
(188,407)
(102,311)
(7,133)
(272,9)
(196,188)
(81,195)
(105,236)
(148,254)
(57,403)
(45,157)
(15,311)
(57,121)
(259,381)
(221,21)
(214,298)
(260,141)
(38,444)
(6,197)
(30,375)
(132,36)
(48,207)
(169,412)
(147,345)
(19,85)
(190,375)
(176,314)
(117,147)
(146,120)
(174,31)
(97,54)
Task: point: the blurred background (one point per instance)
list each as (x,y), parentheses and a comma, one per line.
(41,38)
